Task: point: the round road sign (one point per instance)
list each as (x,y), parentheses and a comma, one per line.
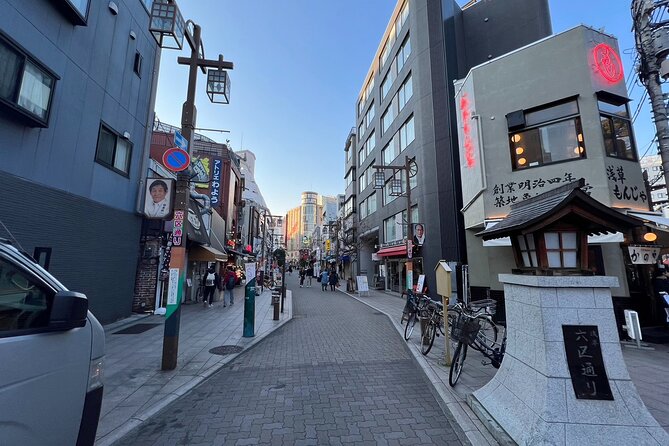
(176,159)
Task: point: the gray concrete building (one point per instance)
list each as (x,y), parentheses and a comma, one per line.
(406,108)
(76,88)
(561,116)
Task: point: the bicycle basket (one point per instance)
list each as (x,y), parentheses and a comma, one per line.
(465,330)
(490,305)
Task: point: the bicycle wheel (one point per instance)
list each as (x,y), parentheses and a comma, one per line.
(457,364)
(486,338)
(411,323)
(430,333)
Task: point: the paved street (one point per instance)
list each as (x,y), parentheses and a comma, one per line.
(338,373)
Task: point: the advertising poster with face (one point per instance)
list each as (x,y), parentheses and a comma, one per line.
(418,234)
(158,198)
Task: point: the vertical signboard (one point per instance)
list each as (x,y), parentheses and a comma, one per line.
(215,192)
(585,361)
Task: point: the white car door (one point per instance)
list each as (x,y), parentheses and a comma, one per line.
(43,375)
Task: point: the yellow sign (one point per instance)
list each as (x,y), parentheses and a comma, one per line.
(327,245)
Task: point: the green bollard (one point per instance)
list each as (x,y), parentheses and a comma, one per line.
(250,301)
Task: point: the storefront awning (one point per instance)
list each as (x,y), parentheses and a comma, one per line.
(661,221)
(200,253)
(392,251)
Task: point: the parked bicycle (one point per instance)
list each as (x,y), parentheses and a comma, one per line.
(415,303)
(434,325)
(473,327)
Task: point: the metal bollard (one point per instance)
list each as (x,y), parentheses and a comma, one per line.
(276,300)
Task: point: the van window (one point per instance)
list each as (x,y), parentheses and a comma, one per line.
(25,303)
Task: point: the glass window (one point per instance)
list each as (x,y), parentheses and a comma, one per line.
(560,139)
(403,53)
(617,131)
(10,63)
(35,92)
(25,303)
(81,6)
(24,84)
(405,92)
(370,144)
(387,83)
(387,119)
(407,134)
(361,156)
(113,151)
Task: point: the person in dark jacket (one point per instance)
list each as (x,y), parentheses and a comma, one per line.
(333,279)
(310,276)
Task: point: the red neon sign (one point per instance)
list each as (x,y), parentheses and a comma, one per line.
(466,115)
(607,63)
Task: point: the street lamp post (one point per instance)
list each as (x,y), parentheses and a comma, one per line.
(167,23)
(409,170)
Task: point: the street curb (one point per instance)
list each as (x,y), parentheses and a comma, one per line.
(127,428)
(456,412)
(122,323)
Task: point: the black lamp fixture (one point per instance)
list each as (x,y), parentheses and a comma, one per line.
(167,25)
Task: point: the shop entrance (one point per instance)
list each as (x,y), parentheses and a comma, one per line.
(396,273)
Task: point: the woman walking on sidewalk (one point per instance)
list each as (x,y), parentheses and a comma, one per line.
(324,280)
(333,278)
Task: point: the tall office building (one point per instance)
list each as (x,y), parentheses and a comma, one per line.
(405,109)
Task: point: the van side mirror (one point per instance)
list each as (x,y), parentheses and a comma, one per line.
(69,311)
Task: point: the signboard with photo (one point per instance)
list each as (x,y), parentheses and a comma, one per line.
(158,198)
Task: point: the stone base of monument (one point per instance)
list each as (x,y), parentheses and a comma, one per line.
(562,342)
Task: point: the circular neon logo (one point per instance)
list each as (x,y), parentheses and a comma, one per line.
(608,63)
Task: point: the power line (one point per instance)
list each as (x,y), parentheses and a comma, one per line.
(648,148)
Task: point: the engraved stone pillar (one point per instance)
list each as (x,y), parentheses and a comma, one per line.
(532,397)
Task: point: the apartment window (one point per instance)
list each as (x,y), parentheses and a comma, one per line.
(528,250)
(361,128)
(349,206)
(561,249)
(25,85)
(349,177)
(80,6)
(137,66)
(617,130)
(370,144)
(405,92)
(385,53)
(387,83)
(368,206)
(407,133)
(387,118)
(113,151)
(403,53)
(361,155)
(546,135)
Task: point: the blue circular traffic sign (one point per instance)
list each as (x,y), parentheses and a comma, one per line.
(176,159)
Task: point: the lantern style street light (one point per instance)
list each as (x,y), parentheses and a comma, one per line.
(379,179)
(168,29)
(218,85)
(409,169)
(167,25)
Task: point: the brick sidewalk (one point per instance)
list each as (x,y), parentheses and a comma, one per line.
(649,370)
(136,388)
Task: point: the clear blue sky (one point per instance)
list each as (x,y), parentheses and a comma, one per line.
(299,66)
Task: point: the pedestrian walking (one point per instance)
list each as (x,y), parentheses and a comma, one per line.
(211,281)
(290,270)
(303,274)
(333,279)
(230,280)
(310,276)
(324,280)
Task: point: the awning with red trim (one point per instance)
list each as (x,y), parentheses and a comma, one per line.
(393,251)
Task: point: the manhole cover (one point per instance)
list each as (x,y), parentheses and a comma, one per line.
(137,329)
(226,350)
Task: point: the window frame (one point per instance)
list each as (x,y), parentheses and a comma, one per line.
(104,163)
(12,104)
(518,129)
(561,249)
(611,117)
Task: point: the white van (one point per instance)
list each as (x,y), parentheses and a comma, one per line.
(51,351)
